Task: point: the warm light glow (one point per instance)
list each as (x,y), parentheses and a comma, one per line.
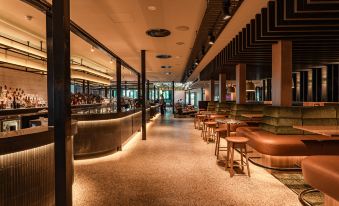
(126,148)
(80,75)
(90,70)
(92,49)
(21,47)
(22,62)
(227,17)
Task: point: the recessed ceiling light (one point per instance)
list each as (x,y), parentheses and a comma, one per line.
(180,43)
(168,73)
(182,28)
(152,8)
(166,67)
(28,17)
(164,56)
(158,32)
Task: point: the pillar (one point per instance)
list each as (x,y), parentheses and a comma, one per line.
(106,92)
(59,79)
(139,89)
(241,83)
(222,87)
(173,89)
(210,95)
(118,86)
(282,73)
(153,92)
(143,97)
(83,87)
(125,88)
(147,94)
(202,94)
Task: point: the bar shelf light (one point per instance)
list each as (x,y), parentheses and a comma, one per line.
(26,60)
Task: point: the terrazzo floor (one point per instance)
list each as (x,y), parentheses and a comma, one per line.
(173,167)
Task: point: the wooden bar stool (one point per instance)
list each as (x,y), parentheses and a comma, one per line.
(221,131)
(200,120)
(237,143)
(210,127)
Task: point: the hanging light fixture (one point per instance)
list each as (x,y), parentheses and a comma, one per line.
(226,9)
(250,87)
(196,62)
(211,38)
(92,49)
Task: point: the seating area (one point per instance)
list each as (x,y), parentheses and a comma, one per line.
(278,142)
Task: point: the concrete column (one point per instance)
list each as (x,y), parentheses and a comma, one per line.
(282,73)
(211,91)
(241,83)
(324,84)
(222,87)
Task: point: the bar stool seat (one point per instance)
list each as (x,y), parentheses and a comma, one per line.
(218,133)
(237,143)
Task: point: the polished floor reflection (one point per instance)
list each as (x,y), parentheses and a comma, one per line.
(173,167)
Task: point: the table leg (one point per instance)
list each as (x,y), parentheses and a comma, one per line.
(228,129)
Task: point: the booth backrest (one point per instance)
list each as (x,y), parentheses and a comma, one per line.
(238,109)
(280,120)
(224,107)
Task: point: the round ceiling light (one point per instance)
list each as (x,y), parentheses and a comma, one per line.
(166,67)
(182,28)
(180,43)
(152,8)
(164,56)
(168,73)
(28,17)
(158,32)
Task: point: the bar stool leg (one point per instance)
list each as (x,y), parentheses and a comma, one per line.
(228,154)
(248,166)
(242,159)
(216,150)
(232,159)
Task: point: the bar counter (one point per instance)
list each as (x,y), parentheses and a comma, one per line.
(105,132)
(27,159)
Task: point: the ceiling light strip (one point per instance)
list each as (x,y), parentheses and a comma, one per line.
(22,62)
(84,76)
(90,70)
(24,48)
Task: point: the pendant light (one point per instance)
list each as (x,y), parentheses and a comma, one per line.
(226,9)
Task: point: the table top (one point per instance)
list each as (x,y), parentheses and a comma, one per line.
(228,121)
(331,131)
(251,116)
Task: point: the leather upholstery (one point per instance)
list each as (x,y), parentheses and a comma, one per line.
(289,145)
(322,173)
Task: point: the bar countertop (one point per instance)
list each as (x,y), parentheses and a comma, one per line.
(28,138)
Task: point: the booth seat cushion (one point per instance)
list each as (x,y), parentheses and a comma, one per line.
(289,145)
(322,173)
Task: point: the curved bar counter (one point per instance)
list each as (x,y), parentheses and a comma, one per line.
(27,159)
(104,133)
